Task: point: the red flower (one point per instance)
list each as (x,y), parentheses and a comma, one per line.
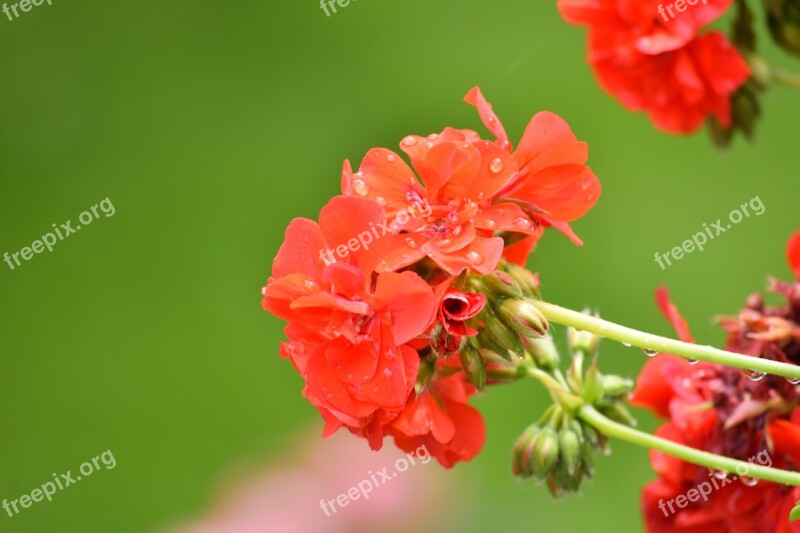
(476,190)
(662,67)
(793,253)
(441,419)
(457,307)
(347,333)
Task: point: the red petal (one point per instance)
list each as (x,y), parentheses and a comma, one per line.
(548,141)
(793,253)
(475,97)
(562,192)
(654,384)
(411,302)
(671,312)
(385,175)
(300,251)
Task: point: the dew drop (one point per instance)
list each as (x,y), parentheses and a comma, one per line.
(409,141)
(444,243)
(475,258)
(489,223)
(481,196)
(692,361)
(411,243)
(310,285)
(793,381)
(650,353)
(381,200)
(263,290)
(433,136)
(360,187)
(626,344)
(387,373)
(719,474)
(496,165)
(391,158)
(388,319)
(452,218)
(523,223)
(428,145)
(749,481)
(754,375)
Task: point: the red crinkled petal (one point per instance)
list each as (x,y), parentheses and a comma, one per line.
(475,97)
(300,250)
(673,315)
(411,302)
(385,175)
(793,253)
(561,192)
(654,389)
(548,141)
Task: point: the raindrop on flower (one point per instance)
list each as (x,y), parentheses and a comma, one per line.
(387,373)
(626,344)
(692,361)
(523,223)
(793,381)
(444,243)
(749,481)
(754,375)
(310,285)
(391,158)
(496,165)
(489,223)
(481,196)
(433,136)
(381,200)
(475,258)
(650,353)
(409,141)
(263,290)
(360,187)
(411,243)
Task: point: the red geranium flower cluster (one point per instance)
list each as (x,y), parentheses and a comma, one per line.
(651,56)
(369,292)
(744,415)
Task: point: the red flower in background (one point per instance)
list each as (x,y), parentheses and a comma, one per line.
(478,191)
(793,254)
(727,412)
(662,67)
(348,334)
(441,419)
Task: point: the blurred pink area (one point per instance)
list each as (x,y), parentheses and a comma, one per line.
(285,496)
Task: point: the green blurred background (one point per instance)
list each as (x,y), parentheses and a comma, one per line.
(210,126)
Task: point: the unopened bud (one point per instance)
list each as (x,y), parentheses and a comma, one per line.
(544,352)
(545,452)
(523,317)
(616,386)
(498,337)
(570,449)
(498,285)
(473,365)
(527,281)
(522,455)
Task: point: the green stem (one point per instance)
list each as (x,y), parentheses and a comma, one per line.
(787,78)
(647,341)
(591,416)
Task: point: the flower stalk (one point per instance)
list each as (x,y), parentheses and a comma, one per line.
(656,343)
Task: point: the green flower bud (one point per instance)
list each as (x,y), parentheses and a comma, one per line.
(523,317)
(522,455)
(527,281)
(616,386)
(473,365)
(570,449)
(543,352)
(545,453)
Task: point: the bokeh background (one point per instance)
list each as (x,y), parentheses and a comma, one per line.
(211,125)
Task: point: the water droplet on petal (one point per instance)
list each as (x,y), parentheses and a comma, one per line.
(749,481)
(754,375)
(391,158)
(310,285)
(360,187)
(409,141)
(523,223)
(475,258)
(388,319)
(650,353)
(489,223)
(452,217)
(793,381)
(429,145)
(481,196)
(433,136)
(444,243)
(381,200)
(387,373)
(496,165)
(411,243)
(263,290)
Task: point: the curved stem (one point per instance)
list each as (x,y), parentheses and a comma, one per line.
(787,78)
(647,341)
(591,416)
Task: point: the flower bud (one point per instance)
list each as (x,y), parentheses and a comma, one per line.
(543,351)
(473,365)
(498,337)
(582,341)
(545,453)
(523,317)
(498,285)
(527,281)
(569,444)
(522,455)
(616,386)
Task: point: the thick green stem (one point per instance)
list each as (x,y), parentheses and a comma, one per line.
(591,416)
(655,343)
